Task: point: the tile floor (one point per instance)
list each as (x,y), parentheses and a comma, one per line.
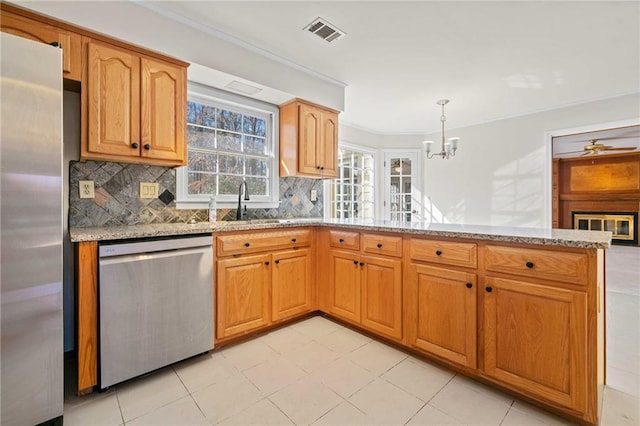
(318,372)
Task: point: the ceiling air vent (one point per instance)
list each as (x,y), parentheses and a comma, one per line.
(325,30)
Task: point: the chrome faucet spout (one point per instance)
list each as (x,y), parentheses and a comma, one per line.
(239,212)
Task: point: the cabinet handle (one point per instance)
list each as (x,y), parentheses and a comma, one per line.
(469,285)
(488,289)
(293,240)
(266,263)
(361,263)
(277,261)
(135,145)
(355,262)
(529,265)
(379,245)
(247,244)
(438,252)
(341,240)
(147,146)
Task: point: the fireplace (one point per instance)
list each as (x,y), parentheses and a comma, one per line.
(623,225)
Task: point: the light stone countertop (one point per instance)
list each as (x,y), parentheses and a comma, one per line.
(538,236)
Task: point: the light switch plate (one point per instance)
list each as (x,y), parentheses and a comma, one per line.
(148,190)
(86,189)
(314,195)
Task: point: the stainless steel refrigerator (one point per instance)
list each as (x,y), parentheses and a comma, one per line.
(31,355)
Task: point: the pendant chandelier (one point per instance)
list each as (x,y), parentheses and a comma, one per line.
(449,147)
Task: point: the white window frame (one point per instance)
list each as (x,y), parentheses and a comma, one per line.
(237,103)
(328,183)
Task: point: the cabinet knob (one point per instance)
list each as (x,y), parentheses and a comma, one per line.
(135,145)
(341,240)
(318,167)
(321,167)
(266,263)
(469,285)
(247,244)
(355,262)
(438,252)
(529,265)
(488,289)
(55,44)
(361,263)
(293,240)
(147,146)
(379,245)
(277,261)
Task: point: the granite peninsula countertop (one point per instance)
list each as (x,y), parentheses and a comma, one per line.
(540,236)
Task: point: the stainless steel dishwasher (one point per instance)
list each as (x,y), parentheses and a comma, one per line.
(156,304)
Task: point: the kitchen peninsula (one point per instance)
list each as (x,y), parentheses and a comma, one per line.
(516,307)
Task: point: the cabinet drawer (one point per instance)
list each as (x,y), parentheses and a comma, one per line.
(344,239)
(382,244)
(445,252)
(228,245)
(537,263)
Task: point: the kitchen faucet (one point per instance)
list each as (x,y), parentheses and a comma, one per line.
(239,213)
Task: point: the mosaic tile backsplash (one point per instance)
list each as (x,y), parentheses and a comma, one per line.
(117,201)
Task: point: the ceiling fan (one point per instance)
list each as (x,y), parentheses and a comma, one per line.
(594,147)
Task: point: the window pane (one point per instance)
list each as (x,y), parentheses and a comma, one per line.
(232,164)
(257,186)
(201,114)
(202,162)
(255,145)
(200,137)
(254,126)
(256,167)
(229,120)
(200,183)
(229,141)
(230,184)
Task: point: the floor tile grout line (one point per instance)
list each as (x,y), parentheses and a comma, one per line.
(120,407)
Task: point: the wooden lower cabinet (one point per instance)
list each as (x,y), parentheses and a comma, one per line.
(291,292)
(242,294)
(367,291)
(442,313)
(344,285)
(381,291)
(535,338)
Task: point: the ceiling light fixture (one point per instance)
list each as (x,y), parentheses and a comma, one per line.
(449,147)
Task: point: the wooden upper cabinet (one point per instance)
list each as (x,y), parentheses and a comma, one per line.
(163,103)
(308,140)
(135,108)
(113,102)
(70,42)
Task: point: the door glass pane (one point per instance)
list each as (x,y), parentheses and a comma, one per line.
(400,171)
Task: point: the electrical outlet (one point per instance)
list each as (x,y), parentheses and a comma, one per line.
(86,189)
(314,195)
(148,190)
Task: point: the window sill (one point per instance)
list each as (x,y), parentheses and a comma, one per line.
(197,204)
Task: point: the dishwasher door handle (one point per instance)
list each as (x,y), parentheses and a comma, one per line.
(154,255)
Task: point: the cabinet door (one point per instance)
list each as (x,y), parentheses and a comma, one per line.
(345,285)
(242,294)
(291,284)
(69,42)
(113,94)
(442,306)
(382,295)
(163,106)
(536,339)
(309,124)
(327,149)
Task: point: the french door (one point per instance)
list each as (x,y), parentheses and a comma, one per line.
(401,200)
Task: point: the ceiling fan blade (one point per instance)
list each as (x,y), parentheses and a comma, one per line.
(622,148)
(570,152)
(614,138)
(589,153)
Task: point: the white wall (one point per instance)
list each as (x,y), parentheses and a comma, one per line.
(501,173)
(139,25)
